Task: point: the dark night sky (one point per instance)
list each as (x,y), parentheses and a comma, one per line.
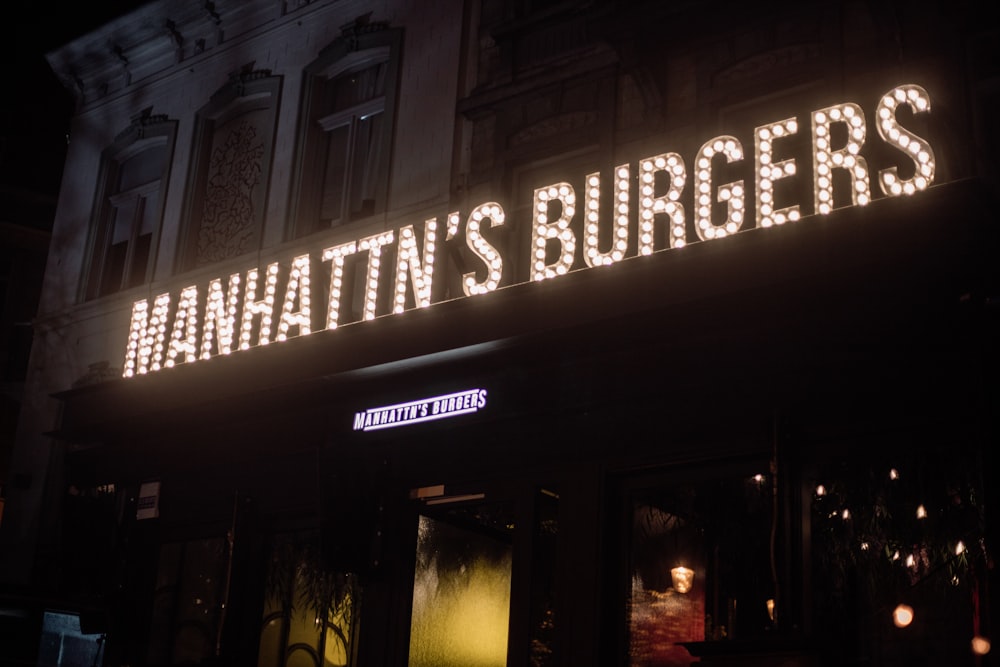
(34,116)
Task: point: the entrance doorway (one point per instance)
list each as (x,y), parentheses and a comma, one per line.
(485,580)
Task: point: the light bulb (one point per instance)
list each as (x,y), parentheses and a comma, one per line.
(902,615)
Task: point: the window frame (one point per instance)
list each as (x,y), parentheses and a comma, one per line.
(358,47)
(630,486)
(147,132)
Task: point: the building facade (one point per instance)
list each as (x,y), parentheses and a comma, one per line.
(515,332)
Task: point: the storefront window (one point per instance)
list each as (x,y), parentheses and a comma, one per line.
(309,613)
(461,588)
(545,579)
(899,555)
(188,601)
(701,565)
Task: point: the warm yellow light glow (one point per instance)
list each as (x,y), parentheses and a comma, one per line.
(730,193)
(769,171)
(770,609)
(902,615)
(592,254)
(893,474)
(914,147)
(297,290)
(161,336)
(337,256)
(959,548)
(847,158)
(219,328)
(185,329)
(820,490)
(493,212)
(373,245)
(682,578)
(651,204)
(147,336)
(921,512)
(543,231)
(460,617)
(137,328)
(420,269)
(845,515)
(264,308)
(454,220)
(980,645)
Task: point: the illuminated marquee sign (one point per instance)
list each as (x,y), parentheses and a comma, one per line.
(424,410)
(246,310)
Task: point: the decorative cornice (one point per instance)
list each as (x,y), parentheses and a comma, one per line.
(140,123)
(352,32)
(160,35)
(241,78)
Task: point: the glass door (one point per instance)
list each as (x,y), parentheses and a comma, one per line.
(485,580)
(462,587)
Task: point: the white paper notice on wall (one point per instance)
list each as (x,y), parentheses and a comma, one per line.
(148,506)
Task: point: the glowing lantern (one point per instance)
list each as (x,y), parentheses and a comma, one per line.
(902,615)
(682,578)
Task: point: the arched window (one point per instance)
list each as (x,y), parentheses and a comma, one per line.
(129,208)
(345,136)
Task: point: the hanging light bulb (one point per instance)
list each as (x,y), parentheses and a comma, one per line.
(959,548)
(921,512)
(980,645)
(902,615)
(820,490)
(893,474)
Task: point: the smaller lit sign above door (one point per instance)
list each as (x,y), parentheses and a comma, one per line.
(423,410)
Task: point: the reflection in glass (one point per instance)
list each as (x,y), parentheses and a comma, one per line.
(309,612)
(188,600)
(544,579)
(461,589)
